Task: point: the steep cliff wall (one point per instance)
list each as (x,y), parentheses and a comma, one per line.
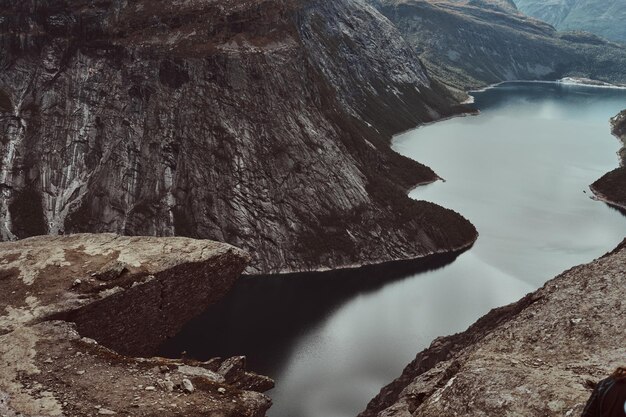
(472,45)
(264,124)
(531,358)
(611,188)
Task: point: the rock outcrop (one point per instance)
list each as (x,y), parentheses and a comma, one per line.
(71,306)
(602,17)
(531,358)
(469,45)
(611,188)
(264,124)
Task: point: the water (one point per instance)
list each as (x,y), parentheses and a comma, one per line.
(520,172)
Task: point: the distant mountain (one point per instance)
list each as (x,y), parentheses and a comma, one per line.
(603,17)
(470,44)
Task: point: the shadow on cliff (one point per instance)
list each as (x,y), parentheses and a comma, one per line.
(264,317)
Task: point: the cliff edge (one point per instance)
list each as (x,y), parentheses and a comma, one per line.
(531,358)
(72,307)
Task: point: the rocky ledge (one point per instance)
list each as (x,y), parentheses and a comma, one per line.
(73,307)
(531,358)
(610,188)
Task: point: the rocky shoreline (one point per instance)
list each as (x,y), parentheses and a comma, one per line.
(533,357)
(77,310)
(610,188)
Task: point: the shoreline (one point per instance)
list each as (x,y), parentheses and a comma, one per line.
(455,251)
(610,193)
(598,196)
(383,264)
(567,81)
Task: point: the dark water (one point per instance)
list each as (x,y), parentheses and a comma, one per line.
(520,172)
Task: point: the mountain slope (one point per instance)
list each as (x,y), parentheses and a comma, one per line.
(603,17)
(469,46)
(234,121)
(530,358)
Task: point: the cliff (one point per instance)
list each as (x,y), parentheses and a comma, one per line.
(611,188)
(531,358)
(470,45)
(602,17)
(263,124)
(72,305)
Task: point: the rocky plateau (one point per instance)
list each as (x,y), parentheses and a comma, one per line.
(80,316)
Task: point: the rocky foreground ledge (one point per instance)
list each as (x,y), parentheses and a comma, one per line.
(531,358)
(73,309)
(611,187)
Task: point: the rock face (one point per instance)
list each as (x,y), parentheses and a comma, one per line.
(602,17)
(531,358)
(611,188)
(473,44)
(263,124)
(71,305)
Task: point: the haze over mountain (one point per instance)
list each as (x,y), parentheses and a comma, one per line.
(469,44)
(603,17)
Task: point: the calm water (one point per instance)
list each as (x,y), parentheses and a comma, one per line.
(520,172)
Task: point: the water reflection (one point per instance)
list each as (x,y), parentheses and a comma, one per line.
(280,310)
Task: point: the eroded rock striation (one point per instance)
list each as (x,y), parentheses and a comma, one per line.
(72,306)
(472,44)
(611,188)
(264,124)
(531,358)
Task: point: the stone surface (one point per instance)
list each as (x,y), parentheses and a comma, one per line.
(611,188)
(32,386)
(469,44)
(71,305)
(264,124)
(531,358)
(165,282)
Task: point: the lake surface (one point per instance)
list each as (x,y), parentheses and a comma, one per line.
(519,171)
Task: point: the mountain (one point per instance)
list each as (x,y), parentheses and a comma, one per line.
(263,124)
(468,45)
(603,17)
